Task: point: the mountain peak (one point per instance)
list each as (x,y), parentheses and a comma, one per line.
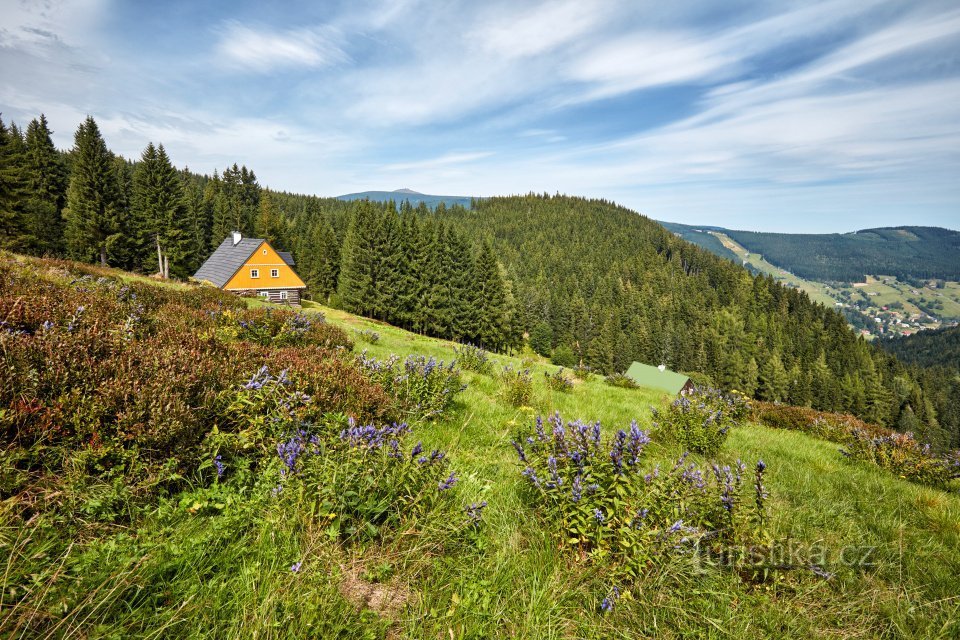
(408,191)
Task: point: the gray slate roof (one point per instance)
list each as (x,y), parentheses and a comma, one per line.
(287,257)
(227,260)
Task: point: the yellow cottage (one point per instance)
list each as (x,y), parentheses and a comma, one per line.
(247,265)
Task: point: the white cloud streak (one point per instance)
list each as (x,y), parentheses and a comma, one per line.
(262,50)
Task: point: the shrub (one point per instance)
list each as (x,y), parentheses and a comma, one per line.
(581,372)
(369,335)
(700,421)
(279,328)
(471,358)
(361,480)
(603,502)
(559,381)
(423,387)
(896,452)
(516,385)
(622,380)
(563,356)
(901,454)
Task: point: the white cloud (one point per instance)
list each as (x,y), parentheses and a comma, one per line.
(537,30)
(247,48)
(443,161)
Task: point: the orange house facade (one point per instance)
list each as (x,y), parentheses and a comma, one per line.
(251,265)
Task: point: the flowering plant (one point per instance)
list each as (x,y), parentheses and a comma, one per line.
(700,422)
(607,505)
(424,387)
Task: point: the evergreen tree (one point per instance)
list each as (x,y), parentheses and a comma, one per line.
(773,379)
(490,298)
(15,231)
(46,187)
(93,221)
(357,283)
(164,238)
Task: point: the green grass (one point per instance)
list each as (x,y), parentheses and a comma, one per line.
(819,499)
(817,291)
(174,574)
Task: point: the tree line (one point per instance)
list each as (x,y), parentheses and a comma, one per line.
(583,282)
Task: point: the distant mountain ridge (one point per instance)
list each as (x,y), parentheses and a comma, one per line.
(906,252)
(411,196)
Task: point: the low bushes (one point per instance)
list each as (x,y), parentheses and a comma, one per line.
(701,420)
(99,362)
(899,453)
(369,335)
(622,381)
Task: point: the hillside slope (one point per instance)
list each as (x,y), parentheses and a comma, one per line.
(415,198)
(904,252)
(98,540)
(928,348)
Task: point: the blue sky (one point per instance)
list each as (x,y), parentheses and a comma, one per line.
(781,116)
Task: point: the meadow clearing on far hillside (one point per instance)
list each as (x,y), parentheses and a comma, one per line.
(157,481)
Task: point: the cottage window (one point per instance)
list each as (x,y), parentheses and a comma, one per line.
(264,252)
(283,295)
(254,273)
(274,273)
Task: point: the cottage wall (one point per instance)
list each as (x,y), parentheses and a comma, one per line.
(265,260)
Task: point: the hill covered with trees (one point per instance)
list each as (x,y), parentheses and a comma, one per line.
(940,347)
(907,253)
(585,282)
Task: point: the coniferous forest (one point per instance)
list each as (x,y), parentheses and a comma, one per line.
(582,282)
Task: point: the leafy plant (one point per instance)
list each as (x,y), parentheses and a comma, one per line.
(369,335)
(603,502)
(516,385)
(701,420)
(621,380)
(901,454)
(424,387)
(472,358)
(559,381)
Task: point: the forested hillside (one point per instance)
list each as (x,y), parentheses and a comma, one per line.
(904,252)
(700,237)
(406,195)
(583,282)
(928,348)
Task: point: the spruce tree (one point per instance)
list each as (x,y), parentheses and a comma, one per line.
(93,220)
(15,230)
(46,187)
(164,238)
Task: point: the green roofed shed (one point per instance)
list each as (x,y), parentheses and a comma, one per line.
(659,378)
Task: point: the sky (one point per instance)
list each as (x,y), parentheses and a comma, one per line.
(811,117)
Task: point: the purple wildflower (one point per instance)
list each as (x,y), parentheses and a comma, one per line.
(475,511)
(449,482)
(295,567)
(219,465)
(520,451)
(598,515)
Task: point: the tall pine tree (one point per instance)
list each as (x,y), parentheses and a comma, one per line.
(93,218)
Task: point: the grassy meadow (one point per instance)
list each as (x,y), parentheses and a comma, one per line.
(82,555)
